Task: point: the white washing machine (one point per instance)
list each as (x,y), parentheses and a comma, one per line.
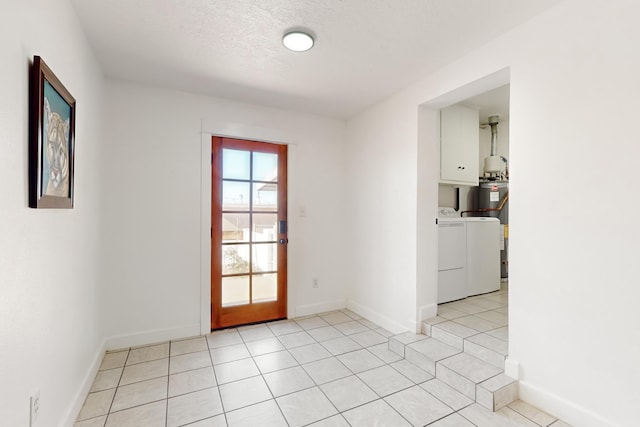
(483,254)
(452,256)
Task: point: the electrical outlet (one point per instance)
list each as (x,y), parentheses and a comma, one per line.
(35,409)
(315,283)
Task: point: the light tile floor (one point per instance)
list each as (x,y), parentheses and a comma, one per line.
(332,369)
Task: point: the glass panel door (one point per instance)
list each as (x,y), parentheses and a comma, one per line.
(248,232)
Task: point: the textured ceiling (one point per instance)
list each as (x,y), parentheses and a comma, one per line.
(365,49)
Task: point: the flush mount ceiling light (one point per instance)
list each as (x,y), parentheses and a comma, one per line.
(297,41)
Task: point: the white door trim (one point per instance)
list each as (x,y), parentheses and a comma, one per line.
(241,131)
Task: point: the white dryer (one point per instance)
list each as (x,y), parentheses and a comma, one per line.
(452,256)
(483,254)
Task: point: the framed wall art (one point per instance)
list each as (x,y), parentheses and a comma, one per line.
(52,113)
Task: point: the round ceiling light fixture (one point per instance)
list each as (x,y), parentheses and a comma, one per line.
(297,41)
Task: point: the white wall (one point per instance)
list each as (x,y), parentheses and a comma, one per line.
(573,285)
(573,278)
(153,204)
(50,337)
(382,190)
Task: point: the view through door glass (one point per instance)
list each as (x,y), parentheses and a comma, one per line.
(248,236)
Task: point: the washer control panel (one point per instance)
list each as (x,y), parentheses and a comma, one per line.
(444,212)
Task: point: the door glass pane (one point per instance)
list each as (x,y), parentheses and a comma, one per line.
(265,257)
(235,196)
(265,197)
(265,167)
(235,164)
(265,287)
(265,227)
(235,290)
(235,227)
(235,259)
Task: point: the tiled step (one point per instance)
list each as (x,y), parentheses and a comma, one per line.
(447,394)
(487,348)
(430,323)
(452,333)
(468,361)
(464,372)
(497,392)
(427,353)
(397,343)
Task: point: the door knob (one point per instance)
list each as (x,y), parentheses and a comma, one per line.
(283,241)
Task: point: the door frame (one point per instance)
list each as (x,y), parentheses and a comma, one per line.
(249,311)
(239,131)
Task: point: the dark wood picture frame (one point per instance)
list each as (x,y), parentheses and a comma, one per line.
(52,122)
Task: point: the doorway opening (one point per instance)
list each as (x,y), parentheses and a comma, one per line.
(473,293)
(478,319)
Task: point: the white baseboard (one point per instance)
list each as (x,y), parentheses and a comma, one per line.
(425,312)
(383,321)
(321,307)
(428,311)
(563,409)
(416,327)
(152,337)
(87,382)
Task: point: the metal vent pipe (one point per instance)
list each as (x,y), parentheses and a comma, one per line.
(493,122)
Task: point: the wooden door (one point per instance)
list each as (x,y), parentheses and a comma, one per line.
(249,232)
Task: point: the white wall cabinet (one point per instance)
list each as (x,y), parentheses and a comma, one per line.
(459,145)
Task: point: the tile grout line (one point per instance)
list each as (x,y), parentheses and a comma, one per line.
(262,376)
(115,393)
(316,385)
(168,378)
(166,409)
(533,421)
(215,378)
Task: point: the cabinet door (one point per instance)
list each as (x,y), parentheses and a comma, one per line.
(459,145)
